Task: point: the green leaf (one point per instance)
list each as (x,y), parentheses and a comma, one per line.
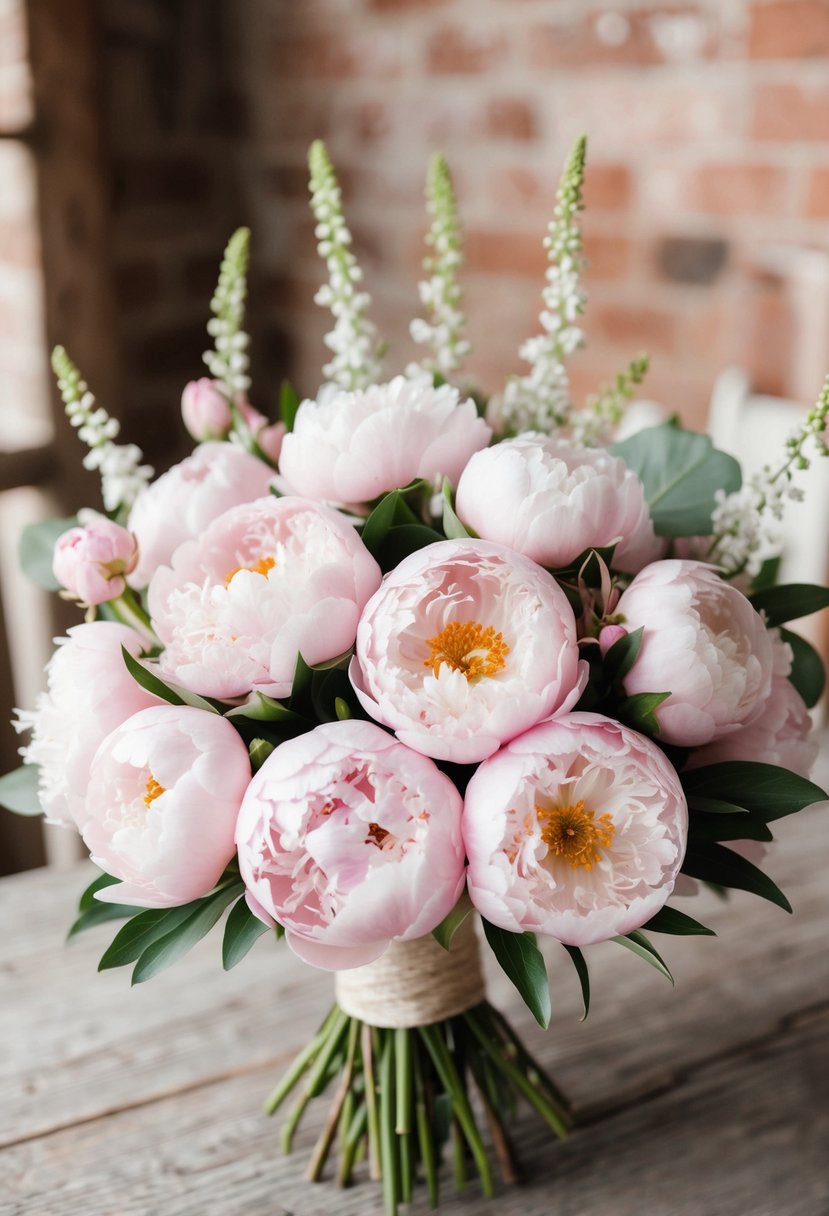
(140,932)
(159,688)
(623,654)
(88,899)
(452,526)
(714,806)
(681,472)
(259,750)
(714,863)
(790,601)
(807,674)
(36,550)
(259,708)
(98,915)
(580,964)
(743,826)
(639,944)
(767,574)
(763,789)
(403,540)
(288,404)
(390,511)
(241,931)
(669,920)
(448,927)
(523,963)
(165,950)
(19,790)
(301,684)
(637,711)
(342,709)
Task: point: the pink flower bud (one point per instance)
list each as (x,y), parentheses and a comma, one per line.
(91,562)
(205,410)
(609,636)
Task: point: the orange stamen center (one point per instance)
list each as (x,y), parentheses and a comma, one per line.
(263,566)
(376,835)
(154,790)
(469,648)
(574,834)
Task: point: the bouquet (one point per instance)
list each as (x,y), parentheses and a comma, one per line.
(405,661)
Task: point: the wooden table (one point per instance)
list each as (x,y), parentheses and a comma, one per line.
(710,1100)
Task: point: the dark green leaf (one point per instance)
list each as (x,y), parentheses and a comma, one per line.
(288,404)
(682,472)
(241,931)
(18,790)
(523,963)
(767,575)
(36,550)
(140,932)
(452,526)
(301,684)
(637,711)
(165,950)
(713,863)
(792,600)
(448,927)
(623,654)
(807,674)
(390,511)
(714,806)
(259,708)
(669,920)
(259,750)
(764,789)
(88,899)
(98,915)
(160,688)
(727,827)
(403,540)
(639,944)
(580,964)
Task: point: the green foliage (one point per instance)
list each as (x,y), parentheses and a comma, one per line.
(638,711)
(681,472)
(448,927)
(19,790)
(790,601)
(288,404)
(808,674)
(36,549)
(764,790)
(242,929)
(622,655)
(523,963)
(160,688)
(639,944)
(714,863)
(169,946)
(452,526)
(669,920)
(580,963)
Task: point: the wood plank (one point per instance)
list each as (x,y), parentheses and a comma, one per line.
(743,1133)
(88,1045)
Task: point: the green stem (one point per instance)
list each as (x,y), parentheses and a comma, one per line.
(323,1145)
(458,1155)
(436,1046)
(424,1131)
(496,1020)
(403,1080)
(353,1139)
(388,1147)
(371,1102)
(129,612)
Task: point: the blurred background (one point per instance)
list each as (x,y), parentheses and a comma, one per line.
(136,134)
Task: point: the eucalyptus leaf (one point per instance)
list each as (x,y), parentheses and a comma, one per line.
(639,944)
(790,601)
(242,929)
(36,550)
(160,688)
(580,964)
(669,920)
(523,963)
(19,790)
(681,472)
(808,674)
(763,789)
(167,949)
(714,863)
(452,526)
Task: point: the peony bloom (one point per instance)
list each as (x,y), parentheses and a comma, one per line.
(161,806)
(782,732)
(353,447)
(266,581)
(90,692)
(91,562)
(183,501)
(704,644)
(552,500)
(205,410)
(576,829)
(350,840)
(466,645)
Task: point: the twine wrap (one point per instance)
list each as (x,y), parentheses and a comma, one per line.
(415,983)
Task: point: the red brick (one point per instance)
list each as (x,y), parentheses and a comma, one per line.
(728,189)
(789,29)
(791,112)
(591,40)
(607,187)
(817,198)
(608,257)
(634,326)
(468,50)
(507,253)
(510,118)
(372,121)
(329,56)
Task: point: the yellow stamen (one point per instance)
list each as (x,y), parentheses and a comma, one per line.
(469,648)
(154,790)
(574,834)
(263,566)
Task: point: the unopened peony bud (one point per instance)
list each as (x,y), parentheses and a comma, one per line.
(91,562)
(205,410)
(609,636)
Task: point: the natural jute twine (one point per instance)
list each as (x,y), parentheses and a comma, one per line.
(416,983)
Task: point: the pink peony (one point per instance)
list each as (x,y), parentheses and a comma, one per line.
(90,692)
(183,501)
(353,447)
(350,840)
(466,645)
(91,562)
(161,806)
(205,410)
(266,581)
(576,829)
(781,734)
(704,644)
(552,500)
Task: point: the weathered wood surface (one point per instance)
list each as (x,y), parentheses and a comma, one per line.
(711,1099)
